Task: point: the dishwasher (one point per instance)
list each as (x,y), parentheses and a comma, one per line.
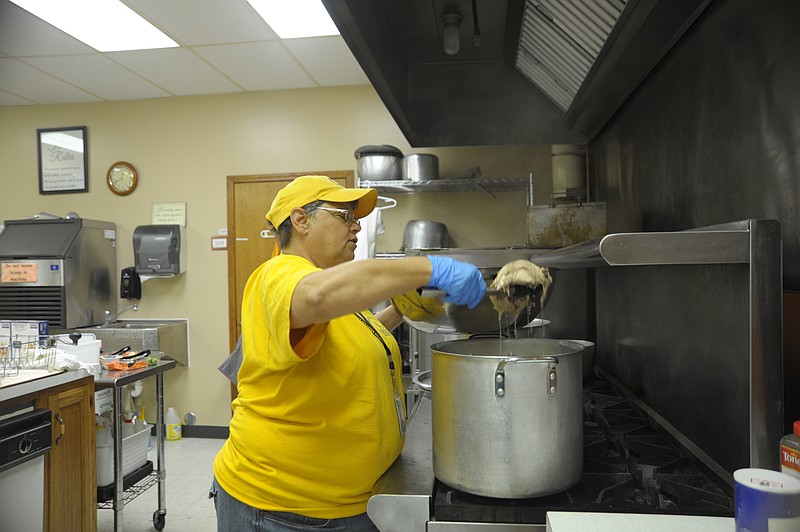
(25,436)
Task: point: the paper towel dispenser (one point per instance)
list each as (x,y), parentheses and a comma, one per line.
(159,249)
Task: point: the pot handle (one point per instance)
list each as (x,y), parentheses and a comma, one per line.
(500,373)
(417,379)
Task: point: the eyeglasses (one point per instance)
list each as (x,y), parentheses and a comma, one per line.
(345,215)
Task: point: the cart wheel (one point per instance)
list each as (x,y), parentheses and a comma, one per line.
(158,520)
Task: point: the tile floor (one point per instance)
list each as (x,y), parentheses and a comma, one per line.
(188,467)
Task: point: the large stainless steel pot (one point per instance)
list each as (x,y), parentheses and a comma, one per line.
(425,234)
(507,416)
(379,163)
(421,167)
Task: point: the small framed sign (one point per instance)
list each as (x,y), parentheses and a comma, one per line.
(63,160)
(169,213)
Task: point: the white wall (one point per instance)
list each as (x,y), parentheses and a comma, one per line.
(184,148)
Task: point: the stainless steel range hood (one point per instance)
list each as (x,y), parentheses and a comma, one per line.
(479,96)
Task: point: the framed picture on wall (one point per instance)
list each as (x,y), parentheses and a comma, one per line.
(63,160)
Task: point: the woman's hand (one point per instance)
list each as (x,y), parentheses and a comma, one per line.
(461,281)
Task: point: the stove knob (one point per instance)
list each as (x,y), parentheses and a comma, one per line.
(25,445)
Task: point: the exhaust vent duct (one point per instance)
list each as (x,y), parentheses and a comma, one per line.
(560,40)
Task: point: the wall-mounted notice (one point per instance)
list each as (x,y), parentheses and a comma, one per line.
(19,272)
(169,213)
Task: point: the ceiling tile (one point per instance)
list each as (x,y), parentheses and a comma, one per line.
(22,35)
(225,47)
(198,22)
(26,81)
(108,80)
(177,70)
(328,60)
(6,98)
(257,66)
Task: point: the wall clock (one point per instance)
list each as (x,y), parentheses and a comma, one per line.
(122,178)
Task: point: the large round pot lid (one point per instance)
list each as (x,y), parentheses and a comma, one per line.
(379,149)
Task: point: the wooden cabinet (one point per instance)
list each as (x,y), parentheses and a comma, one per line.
(70,466)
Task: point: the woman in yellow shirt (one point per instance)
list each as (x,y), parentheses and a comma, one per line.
(320,414)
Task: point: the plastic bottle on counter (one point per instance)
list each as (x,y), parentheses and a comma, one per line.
(790,452)
(174,427)
(103,436)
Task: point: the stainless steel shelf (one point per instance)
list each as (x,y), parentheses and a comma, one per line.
(132,492)
(731,243)
(448,185)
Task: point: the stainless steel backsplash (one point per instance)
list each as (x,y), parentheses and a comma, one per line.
(711,136)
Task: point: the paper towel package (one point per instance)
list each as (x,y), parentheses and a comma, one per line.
(766,501)
(87,350)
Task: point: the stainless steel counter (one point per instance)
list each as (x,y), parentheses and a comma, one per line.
(400,501)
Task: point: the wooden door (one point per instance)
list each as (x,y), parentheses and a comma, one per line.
(249,199)
(70,465)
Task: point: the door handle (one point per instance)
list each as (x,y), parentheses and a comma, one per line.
(63,428)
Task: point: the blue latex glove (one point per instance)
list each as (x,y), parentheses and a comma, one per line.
(461,281)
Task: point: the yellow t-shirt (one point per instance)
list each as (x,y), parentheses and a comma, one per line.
(313,427)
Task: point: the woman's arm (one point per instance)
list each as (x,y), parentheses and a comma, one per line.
(354,286)
(389,317)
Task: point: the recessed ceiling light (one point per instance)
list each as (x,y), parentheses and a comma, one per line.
(105,25)
(296,18)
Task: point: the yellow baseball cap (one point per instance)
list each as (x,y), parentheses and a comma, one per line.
(305,189)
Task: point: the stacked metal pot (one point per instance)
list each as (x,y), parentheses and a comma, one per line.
(387,163)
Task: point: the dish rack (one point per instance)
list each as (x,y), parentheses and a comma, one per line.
(26,352)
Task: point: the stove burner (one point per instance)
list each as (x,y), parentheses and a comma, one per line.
(630,465)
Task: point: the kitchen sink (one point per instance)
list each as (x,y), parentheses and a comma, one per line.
(167,335)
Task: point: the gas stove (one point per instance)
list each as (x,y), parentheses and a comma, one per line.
(631,465)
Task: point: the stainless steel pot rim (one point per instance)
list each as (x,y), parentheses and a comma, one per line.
(502,349)
(508,355)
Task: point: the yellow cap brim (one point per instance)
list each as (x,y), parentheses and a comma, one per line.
(306,189)
(367,198)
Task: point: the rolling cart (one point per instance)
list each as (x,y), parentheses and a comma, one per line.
(125,489)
